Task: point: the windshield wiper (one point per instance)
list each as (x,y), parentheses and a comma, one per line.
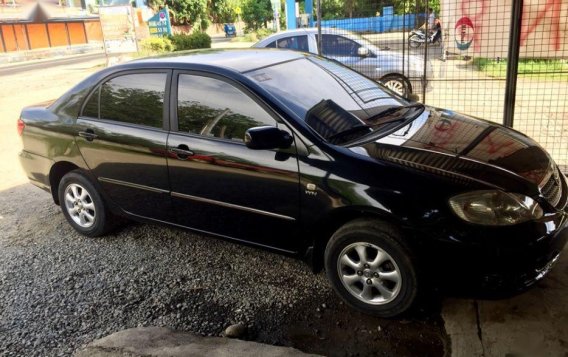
(351,131)
(403,118)
(419,106)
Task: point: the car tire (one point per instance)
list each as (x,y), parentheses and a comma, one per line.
(83,206)
(397,83)
(414,41)
(382,282)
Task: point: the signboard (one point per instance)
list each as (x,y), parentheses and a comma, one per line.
(159,24)
(117,23)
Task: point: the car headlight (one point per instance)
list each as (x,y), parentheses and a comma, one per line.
(495,208)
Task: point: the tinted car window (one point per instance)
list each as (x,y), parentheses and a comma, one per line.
(333,45)
(91,108)
(297,43)
(303,83)
(331,98)
(271,44)
(211,107)
(134,99)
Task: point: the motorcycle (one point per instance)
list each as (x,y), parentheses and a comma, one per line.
(230,30)
(418,37)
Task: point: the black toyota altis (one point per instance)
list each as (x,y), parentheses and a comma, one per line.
(299,154)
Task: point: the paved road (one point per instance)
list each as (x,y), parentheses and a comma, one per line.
(21,68)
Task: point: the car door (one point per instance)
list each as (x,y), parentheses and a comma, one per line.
(218,184)
(345,50)
(295,43)
(122,136)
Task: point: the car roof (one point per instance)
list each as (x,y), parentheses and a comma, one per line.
(240,60)
(311,30)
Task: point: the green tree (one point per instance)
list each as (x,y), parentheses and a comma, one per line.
(256,13)
(415,6)
(222,11)
(330,9)
(185,12)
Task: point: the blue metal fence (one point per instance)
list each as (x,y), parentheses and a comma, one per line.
(388,22)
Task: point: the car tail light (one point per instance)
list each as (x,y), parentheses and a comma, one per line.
(21,126)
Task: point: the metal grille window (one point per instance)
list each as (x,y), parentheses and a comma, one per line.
(504,61)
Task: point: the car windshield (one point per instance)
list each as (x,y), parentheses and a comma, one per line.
(339,104)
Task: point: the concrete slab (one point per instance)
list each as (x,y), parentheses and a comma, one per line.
(460,321)
(162,342)
(534,323)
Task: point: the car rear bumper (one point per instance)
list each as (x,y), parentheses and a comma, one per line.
(37,169)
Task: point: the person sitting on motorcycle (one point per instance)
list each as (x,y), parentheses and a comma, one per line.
(431,20)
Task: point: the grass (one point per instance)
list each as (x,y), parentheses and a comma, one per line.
(248,37)
(528,68)
(253,36)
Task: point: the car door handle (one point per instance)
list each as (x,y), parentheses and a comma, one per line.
(181,152)
(88,134)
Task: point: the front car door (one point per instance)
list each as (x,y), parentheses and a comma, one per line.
(345,50)
(218,184)
(122,136)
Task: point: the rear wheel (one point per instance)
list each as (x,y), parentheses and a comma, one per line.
(370,268)
(397,83)
(414,41)
(82,205)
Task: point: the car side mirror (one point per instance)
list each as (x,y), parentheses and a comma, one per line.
(267,137)
(363,51)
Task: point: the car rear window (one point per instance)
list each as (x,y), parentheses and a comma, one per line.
(134,99)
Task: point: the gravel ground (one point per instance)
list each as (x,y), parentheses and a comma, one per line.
(59,290)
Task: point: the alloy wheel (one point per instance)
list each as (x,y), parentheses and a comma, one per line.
(369,273)
(80,205)
(396,86)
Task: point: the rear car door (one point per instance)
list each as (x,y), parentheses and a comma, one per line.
(218,184)
(296,43)
(122,136)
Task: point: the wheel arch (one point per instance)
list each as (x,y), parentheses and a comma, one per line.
(332,221)
(58,170)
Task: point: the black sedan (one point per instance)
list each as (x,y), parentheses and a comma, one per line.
(301,155)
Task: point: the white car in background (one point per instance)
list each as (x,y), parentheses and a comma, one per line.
(402,74)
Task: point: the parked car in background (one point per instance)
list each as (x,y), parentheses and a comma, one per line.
(300,154)
(402,74)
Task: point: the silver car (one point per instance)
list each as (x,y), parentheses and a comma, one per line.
(402,74)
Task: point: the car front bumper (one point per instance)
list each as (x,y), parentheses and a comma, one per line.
(495,259)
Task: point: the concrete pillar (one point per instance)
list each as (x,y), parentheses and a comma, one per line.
(290,14)
(309,7)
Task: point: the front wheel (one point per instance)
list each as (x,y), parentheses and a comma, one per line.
(370,268)
(414,41)
(82,205)
(397,83)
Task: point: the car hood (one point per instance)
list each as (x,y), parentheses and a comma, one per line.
(466,148)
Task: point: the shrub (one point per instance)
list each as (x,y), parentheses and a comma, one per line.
(263,32)
(189,42)
(157,44)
